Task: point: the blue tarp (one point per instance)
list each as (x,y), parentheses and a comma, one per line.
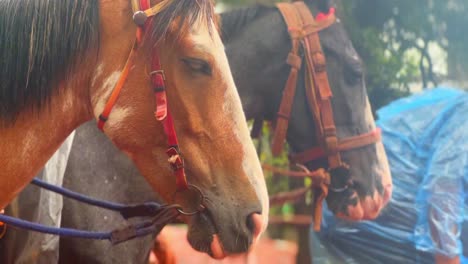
(426,140)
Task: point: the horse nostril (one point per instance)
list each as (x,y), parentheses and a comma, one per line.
(255,224)
(250,223)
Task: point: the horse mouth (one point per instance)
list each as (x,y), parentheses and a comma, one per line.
(203,235)
(352,207)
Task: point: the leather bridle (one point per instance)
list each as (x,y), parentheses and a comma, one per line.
(143,13)
(303,29)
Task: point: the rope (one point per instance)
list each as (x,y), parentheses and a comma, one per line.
(293,196)
(161,215)
(127,211)
(166,215)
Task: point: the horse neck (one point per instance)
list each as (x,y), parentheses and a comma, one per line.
(31,141)
(260,85)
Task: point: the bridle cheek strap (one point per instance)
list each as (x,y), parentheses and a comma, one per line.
(163,115)
(162,112)
(104,116)
(303,29)
(284,113)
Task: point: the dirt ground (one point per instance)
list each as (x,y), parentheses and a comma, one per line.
(267,251)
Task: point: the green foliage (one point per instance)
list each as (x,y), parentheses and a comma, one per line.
(393,38)
(405,30)
(275,183)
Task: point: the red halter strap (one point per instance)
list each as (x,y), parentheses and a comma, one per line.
(162,112)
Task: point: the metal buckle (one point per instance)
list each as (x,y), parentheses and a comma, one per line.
(195,198)
(161,72)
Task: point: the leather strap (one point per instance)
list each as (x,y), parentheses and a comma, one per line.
(294,60)
(104,116)
(162,112)
(361,140)
(317,76)
(318,176)
(303,28)
(346,144)
(300,31)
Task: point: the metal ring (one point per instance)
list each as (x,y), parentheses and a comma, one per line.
(302,167)
(200,207)
(339,190)
(161,72)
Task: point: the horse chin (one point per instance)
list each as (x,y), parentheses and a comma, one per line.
(353,208)
(203,235)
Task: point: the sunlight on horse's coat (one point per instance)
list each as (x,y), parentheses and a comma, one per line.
(385,172)
(117,118)
(100,98)
(381,168)
(232,107)
(370,207)
(97,74)
(28,144)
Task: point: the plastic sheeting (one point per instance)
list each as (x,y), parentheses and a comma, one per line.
(24,247)
(426,140)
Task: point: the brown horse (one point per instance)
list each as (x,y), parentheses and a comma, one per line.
(60,63)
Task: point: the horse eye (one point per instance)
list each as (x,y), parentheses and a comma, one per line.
(354,74)
(197,65)
(355,78)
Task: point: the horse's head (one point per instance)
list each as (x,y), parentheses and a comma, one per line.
(371,185)
(214,141)
(258,37)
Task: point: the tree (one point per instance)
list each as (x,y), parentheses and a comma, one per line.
(394,39)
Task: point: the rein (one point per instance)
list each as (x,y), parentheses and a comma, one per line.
(303,30)
(160,216)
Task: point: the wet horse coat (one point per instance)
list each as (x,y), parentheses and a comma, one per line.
(62,60)
(257,57)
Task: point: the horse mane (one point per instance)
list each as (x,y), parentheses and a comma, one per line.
(39,42)
(234,21)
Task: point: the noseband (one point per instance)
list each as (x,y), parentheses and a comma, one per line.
(143,13)
(303,30)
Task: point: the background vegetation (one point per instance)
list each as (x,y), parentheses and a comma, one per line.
(406,45)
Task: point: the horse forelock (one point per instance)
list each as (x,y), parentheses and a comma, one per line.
(179,17)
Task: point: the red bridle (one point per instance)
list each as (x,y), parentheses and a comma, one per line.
(142,17)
